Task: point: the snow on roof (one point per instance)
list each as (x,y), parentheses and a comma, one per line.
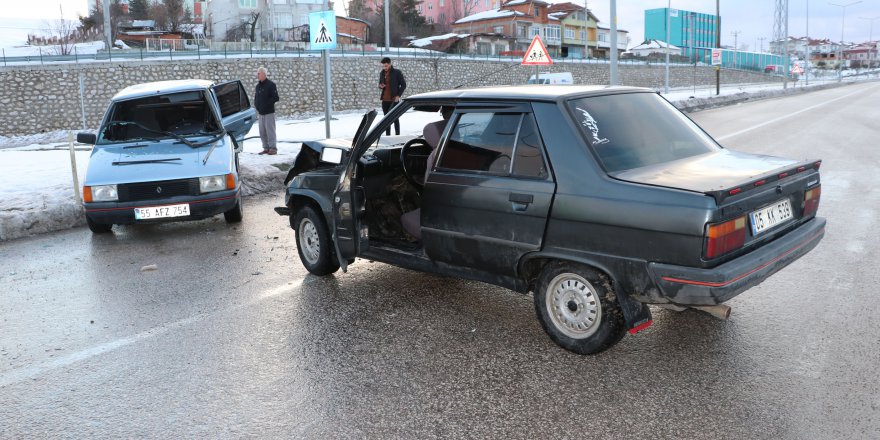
(143,23)
(558,15)
(488,15)
(522,2)
(422,42)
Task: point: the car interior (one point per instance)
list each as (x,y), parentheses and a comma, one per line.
(183,113)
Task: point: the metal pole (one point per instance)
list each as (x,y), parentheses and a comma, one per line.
(871,40)
(73,169)
(787,68)
(840,46)
(387,28)
(613,70)
(586,30)
(668,24)
(718,45)
(327,95)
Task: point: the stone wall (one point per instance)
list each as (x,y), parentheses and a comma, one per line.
(38,99)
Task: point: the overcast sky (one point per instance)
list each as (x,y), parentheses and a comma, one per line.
(753,19)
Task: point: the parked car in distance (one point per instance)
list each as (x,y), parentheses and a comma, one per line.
(600,200)
(167,151)
(551,78)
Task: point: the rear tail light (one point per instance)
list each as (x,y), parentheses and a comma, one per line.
(811,201)
(722,238)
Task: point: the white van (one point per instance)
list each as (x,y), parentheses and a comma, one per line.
(552,78)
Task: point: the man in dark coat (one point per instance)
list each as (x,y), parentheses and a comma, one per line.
(392,83)
(265,97)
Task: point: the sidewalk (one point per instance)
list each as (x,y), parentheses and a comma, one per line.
(36,180)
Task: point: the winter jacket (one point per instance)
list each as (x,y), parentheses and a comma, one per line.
(398,82)
(265,97)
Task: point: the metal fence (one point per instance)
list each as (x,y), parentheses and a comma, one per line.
(201,49)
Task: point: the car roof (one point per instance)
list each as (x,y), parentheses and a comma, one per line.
(161,87)
(531,92)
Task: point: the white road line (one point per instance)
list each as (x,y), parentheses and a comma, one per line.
(22,373)
(775,120)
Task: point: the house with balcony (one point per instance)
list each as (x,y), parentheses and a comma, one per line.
(603,46)
(443,13)
(579,29)
(519,19)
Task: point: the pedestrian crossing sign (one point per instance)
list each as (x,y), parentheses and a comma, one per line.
(537,54)
(322,30)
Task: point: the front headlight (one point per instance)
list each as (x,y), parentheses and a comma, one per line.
(101,193)
(212,183)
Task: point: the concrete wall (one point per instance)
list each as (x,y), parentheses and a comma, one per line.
(38,99)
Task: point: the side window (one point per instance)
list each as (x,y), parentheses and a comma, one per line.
(529,162)
(231,97)
(482,142)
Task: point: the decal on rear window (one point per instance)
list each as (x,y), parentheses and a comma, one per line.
(591,125)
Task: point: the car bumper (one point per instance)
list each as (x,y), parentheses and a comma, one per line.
(200,207)
(694,286)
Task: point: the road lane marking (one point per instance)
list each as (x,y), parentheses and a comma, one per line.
(22,373)
(775,120)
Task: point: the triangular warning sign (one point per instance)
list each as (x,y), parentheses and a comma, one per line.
(537,54)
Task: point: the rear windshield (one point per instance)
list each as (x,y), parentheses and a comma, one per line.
(634,130)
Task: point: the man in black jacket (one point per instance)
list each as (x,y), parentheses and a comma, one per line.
(265,97)
(392,83)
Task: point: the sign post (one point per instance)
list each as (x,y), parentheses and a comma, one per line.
(322,36)
(536,56)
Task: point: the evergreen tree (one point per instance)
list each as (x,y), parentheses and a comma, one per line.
(138,9)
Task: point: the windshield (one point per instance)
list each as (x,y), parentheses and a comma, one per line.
(174,115)
(634,130)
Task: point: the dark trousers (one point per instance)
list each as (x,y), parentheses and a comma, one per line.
(386,107)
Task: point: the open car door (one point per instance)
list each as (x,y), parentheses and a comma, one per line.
(235,109)
(350,233)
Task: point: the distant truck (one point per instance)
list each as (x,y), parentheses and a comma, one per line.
(552,78)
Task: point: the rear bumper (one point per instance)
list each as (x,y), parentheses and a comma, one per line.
(693,286)
(200,207)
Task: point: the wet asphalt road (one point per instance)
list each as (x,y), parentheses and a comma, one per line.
(230,337)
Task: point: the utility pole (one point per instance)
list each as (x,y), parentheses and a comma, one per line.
(387,28)
(735,48)
(762,39)
(668,24)
(787,69)
(108,30)
(613,72)
(586,30)
(807,53)
(840,46)
(871,50)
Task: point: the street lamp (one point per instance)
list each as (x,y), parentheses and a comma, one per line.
(840,46)
(871,39)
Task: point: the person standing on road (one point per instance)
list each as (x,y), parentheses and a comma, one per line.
(392,83)
(265,97)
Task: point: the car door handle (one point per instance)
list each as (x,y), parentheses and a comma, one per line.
(520,202)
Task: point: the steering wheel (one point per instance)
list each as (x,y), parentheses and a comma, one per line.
(414,159)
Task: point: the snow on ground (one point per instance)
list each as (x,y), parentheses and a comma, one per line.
(36,180)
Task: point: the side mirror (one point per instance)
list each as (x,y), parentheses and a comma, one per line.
(87,138)
(331,155)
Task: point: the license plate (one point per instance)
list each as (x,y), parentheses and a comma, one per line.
(152,212)
(770,216)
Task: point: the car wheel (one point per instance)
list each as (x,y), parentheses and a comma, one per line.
(98,228)
(578,308)
(235,214)
(313,242)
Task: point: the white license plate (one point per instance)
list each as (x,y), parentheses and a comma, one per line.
(152,212)
(770,216)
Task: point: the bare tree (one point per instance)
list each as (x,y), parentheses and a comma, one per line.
(63,33)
